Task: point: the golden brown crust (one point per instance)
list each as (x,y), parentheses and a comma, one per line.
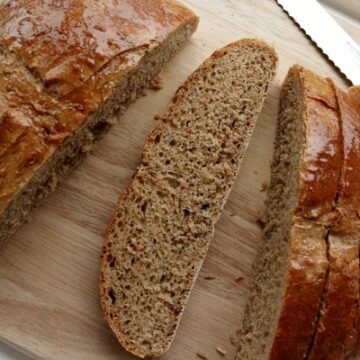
(319,174)
(59,62)
(301,300)
(336,332)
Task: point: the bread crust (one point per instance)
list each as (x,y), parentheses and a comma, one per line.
(336,333)
(137,349)
(319,175)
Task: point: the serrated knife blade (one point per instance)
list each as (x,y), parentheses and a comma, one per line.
(328,35)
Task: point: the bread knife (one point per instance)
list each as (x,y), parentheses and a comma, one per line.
(327,34)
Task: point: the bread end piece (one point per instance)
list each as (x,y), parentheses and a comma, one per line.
(70,154)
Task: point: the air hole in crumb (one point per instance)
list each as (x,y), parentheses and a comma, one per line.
(172,142)
(154,241)
(112,295)
(163,278)
(143,207)
(186,213)
(133,261)
(173,183)
(112,262)
(167,162)
(157,138)
(160,194)
(205,206)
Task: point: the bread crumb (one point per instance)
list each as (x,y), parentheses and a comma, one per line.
(209,277)
(264,186)
(260,219)
(157,117)
(221,351)
(201,355)
(255,172)
(234,338)
(232,214)
(239,278)
(156,83)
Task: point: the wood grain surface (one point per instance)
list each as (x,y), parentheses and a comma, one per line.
(49,301)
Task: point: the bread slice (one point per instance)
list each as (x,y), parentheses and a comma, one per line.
(62,82)
(336,332)
(290,272)
(163,224)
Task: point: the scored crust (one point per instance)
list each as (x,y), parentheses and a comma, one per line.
(50,122)
(336,332)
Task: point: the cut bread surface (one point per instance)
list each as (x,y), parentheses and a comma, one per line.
(163,224)
(53,125)
(290,271)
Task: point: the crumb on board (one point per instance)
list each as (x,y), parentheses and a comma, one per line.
(201,355)
(260,221)
(234,338)
(221,351)
(156,83)
(209,277)
(239,279)
(255,172)
(157,117)
(264,186)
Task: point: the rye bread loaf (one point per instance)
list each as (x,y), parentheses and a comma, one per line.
(337,334)
(66,69)
(290,271)
(161,230)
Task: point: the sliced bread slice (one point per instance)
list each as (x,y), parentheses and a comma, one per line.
(336,332)
(163,224)
(289,274)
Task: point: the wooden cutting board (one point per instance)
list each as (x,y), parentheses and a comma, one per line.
(49,302)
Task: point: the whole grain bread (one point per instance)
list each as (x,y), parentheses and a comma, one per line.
(162,227)
(337,334)
(62,83)
(290,272)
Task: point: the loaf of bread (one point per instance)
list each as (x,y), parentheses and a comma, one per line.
(164,221)
(336,332)
(290,273)
(66,68)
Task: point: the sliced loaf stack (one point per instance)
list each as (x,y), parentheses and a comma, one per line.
(163,224)
(304,301)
